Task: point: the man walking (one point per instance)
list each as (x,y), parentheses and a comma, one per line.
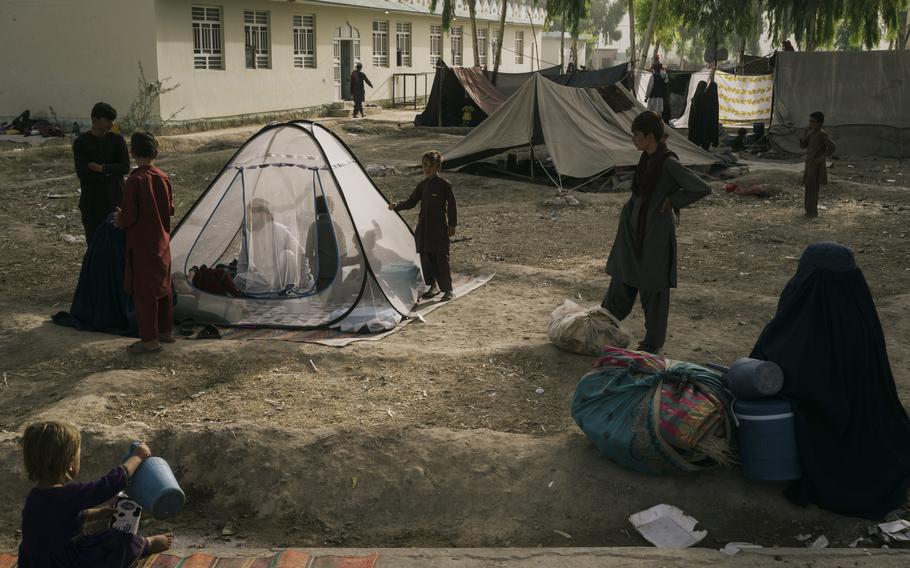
(358,78)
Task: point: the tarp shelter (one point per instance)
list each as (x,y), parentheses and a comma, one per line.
(582,133)
(509,83)
(313,238)
(453,89)
(592,79)
(865,96)
(742,99)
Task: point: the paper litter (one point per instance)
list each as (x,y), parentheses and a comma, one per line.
(666,526)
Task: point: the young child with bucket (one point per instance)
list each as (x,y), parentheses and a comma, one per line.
(57,508)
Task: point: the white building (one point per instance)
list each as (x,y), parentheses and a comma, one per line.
(237,57)
(549,53)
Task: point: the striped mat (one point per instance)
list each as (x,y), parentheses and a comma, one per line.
(283,559)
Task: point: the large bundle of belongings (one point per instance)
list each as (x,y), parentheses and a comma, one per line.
(864,95)
(461,96)
(303,234)
(585,131)
(655,415)
(25,125)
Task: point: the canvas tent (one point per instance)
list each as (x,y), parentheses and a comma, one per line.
(583,134)
(865,96)
(455,87)
(314,241)
(592,79)
(509,83)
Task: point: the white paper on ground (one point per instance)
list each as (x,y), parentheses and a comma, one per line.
(898,530)
(732,548)
(666,526)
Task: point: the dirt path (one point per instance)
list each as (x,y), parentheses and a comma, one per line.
(434,436)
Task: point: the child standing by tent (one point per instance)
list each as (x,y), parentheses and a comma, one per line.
(148,204)
(56,509)
(818,147)
(435,224)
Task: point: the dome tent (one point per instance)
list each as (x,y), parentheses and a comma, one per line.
(311,238)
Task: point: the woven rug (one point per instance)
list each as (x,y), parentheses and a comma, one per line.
(461,285)
(283,559)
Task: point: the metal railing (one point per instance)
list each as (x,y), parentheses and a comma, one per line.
(414,97)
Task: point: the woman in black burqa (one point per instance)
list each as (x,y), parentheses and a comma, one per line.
(853,434)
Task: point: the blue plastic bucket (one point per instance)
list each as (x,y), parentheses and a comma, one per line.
(767,439)
(155,488)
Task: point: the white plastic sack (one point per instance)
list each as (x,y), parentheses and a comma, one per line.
(585,331)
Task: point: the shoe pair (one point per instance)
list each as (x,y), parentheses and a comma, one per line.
(433,291)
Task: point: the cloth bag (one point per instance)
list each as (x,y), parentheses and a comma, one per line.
(585,331)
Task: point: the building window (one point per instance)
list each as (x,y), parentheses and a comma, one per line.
(457,44)
(305,41)
(256,32)
(482,46)
(208,41)
(494,42)
(519,47)
(403,44)
(435,44)
(380,44)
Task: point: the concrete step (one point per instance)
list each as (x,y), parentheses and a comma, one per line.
(342,104)
(339,112)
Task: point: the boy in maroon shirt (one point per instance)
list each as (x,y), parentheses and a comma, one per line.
(145,215)
(435,224)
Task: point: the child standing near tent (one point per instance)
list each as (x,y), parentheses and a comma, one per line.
(56,508)
(148,204)
(435,224)
(642,261)
(818,147)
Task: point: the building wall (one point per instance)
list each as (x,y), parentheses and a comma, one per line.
(72,54)
(550,50)
(237,90)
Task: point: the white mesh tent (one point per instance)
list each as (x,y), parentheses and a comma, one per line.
(312,239)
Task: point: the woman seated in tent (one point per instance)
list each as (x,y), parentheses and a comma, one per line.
(271,260)
(853,434)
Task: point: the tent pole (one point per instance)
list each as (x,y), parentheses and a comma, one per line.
(532,163)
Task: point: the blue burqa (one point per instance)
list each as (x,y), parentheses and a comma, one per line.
(100,302)
(853,433)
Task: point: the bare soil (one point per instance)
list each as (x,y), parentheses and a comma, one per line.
(434,436)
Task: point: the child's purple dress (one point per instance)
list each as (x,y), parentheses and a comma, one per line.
(52,522)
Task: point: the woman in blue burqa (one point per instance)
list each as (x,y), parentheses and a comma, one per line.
(100,302)
(852,431)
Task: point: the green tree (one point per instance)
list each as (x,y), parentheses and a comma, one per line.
(816,23)
(572,13)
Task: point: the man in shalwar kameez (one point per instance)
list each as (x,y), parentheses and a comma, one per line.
(643,259)
(101,160)
(145,215)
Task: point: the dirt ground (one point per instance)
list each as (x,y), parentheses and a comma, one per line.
(434,436)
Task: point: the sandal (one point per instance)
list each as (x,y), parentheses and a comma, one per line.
(209,332)
(648,349)
(186,327)
(139,348)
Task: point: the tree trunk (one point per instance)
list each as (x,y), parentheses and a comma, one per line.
(904,35)
(562,48)
(472,10)
(657,49)
(632,55)
(502,38)
(646,41)
(575,52)
(742,51)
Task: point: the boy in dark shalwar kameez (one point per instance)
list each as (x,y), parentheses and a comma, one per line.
(818,147)
(101,162)
(643,258)
(148,204)
(436,223)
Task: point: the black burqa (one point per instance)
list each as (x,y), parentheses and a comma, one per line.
(853,434)
(100,302)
